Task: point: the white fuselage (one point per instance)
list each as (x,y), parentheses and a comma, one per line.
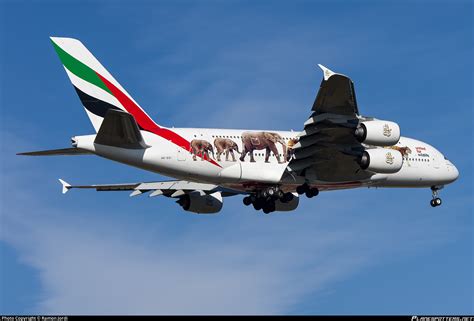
(423,165)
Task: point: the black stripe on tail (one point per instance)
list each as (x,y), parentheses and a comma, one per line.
(94,105)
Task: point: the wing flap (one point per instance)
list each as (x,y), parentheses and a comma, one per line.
(176,185)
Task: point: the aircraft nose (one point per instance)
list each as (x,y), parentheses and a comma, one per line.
(453,172)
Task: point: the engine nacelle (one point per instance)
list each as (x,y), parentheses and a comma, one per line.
(378,133)
(201,204)
(288,206)
(381,160)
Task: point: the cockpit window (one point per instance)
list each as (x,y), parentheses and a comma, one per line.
(446,158)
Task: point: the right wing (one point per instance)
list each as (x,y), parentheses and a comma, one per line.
(166,188)
(327,149)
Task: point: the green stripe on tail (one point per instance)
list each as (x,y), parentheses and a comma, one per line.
(79,69)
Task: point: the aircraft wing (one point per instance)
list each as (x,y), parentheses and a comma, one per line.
(327,149)
(166,188)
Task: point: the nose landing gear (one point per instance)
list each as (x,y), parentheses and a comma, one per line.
(435,201)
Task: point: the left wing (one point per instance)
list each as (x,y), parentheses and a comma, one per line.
(166,188)
(327,149)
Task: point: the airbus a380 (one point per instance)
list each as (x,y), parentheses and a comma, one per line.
(337,149)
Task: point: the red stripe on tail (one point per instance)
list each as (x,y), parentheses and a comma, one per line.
(145,121)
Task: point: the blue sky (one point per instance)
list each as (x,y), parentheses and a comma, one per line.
(233,64)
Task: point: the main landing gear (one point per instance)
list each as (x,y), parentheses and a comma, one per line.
(265,199)
(436,201)
(307,190)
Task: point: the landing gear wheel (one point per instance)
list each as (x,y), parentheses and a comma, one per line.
(280,194)
(312,192)
(257,205)
(270,192)
(268,207)
(247,200)
(287,197)
(266,210)
(436,202)
(302,189)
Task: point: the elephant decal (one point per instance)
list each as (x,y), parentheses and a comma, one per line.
(403,150)
(200,147)
(225,145)
(262,140)
(290,151)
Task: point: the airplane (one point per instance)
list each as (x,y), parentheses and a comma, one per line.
(338,148)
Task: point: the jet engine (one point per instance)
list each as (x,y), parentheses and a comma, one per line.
(381,160)
(378,133)
(201,204)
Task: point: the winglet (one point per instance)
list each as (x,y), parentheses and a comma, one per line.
(66,186)
(326,72)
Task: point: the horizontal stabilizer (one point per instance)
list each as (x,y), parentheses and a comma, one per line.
(119,129)
(53,152)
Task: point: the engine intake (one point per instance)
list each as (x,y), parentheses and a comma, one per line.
(381,160)
(378,133)
(201,204)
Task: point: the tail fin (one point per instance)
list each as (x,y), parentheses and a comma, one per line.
(100,92)
(96,87)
